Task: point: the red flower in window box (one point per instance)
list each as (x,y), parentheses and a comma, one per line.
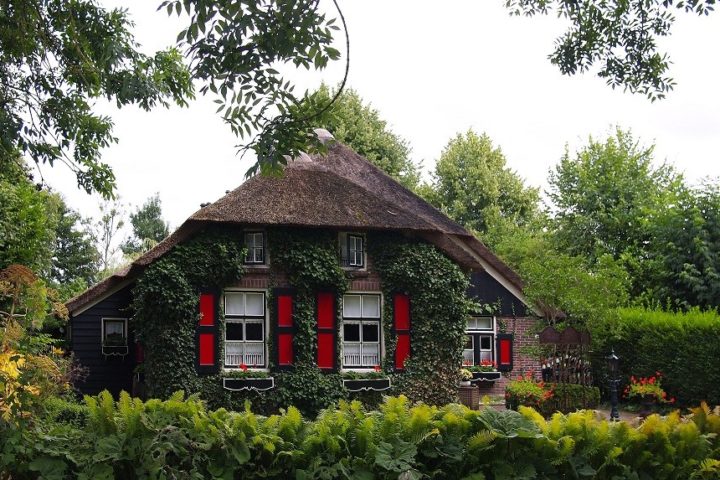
(243,367)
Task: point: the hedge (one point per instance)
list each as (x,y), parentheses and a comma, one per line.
(566,397)
(179,438)
(684,347)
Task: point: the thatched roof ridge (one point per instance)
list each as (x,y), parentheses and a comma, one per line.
(340,190)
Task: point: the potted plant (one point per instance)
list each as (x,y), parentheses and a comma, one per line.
(375,381)
(485,372)
(246,379)
(465,377)
(648,391)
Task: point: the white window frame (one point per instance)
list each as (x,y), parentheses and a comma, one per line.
(346,262)
(113,319)
(253,260)
(231,318)
(480,333)
(360,320)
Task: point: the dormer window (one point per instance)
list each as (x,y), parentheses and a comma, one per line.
(352,250)
(356,252)
(255,244)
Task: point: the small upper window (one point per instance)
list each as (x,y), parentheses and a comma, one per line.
(356,253)
(352,250)
(255,244)
(114,332)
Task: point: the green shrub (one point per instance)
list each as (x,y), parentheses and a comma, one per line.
(180,438)
(568,397)
(526,391)
(64,411)
(685,347)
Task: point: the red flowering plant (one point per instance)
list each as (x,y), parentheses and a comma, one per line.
(645,387)
(485,366)
(526,390)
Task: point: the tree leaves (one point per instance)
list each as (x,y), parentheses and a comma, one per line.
(618,36)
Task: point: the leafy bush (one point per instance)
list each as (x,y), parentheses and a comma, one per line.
(526,391)
(65,411)
(180,438)
(683,346)
(568,397)
(548,398)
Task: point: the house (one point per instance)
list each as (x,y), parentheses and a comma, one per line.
(332,270)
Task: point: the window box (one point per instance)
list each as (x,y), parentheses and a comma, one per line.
(114,350)
(243,384)
(366,384)
(485,376)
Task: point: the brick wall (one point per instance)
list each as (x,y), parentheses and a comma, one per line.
(524,330)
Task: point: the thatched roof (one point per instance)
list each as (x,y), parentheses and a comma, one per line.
(339,189)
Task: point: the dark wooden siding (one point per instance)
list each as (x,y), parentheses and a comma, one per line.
(113,373)
(485,289)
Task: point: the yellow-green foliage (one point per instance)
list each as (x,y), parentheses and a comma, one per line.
(180,438)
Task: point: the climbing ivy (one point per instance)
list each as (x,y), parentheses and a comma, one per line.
(166,308)
(437,289)
(310,260)
(166,315)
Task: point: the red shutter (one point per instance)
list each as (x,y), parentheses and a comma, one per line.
(401,325)
(326,331)
(284,328)
(207,334)
(504,352)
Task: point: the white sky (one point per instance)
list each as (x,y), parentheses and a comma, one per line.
(432,69)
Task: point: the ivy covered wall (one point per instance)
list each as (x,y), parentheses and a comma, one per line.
(166,313)
(438,308)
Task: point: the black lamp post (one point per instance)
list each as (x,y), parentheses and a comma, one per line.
(613,361)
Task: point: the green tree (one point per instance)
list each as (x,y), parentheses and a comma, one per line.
(563,285)
(606,198)
(28,218)
(75,260)
(358,125)
(685,250)
(473,185)
(619,35)
(58,57)
(148,226)
(104,231)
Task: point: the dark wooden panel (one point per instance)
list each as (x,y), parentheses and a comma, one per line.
(485,289)
(113,373)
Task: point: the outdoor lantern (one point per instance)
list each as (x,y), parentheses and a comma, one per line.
(613,362)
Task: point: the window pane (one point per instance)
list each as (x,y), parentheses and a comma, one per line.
(351,306)
(370,354)
(351,355)
(472,323)
(485,342)
(370,332)
(468,342)
(371,306)
(254,304)
(253,240)
(253,330)
(115,332)
(233,354)
(484,323)
(351,332)
(233,331)
(235,304)
(468,357)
